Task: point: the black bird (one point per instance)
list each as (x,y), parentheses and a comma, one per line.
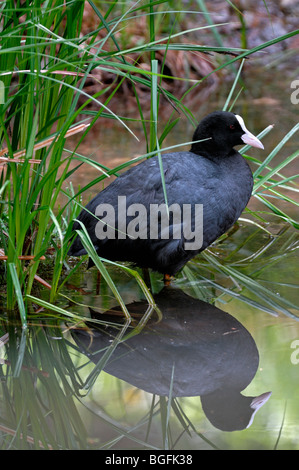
(207,188)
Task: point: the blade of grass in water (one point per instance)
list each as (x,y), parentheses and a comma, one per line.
(266,295)
(90,249)
(18,292)
(275,151)
(92,377)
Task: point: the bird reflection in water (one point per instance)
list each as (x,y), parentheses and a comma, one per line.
(195,350)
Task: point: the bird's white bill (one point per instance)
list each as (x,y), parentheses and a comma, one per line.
(247,137)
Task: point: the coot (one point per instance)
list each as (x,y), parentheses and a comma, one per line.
(140,220)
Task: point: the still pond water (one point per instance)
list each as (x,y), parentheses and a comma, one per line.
(227,344)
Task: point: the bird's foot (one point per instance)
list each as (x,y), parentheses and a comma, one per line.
(167,279)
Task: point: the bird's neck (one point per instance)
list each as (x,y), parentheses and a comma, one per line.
(210,150)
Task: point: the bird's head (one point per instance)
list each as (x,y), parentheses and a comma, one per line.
(223,131)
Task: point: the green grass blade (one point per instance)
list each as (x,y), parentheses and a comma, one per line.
(276,150)
(18,292)
(87,243)
(226,104)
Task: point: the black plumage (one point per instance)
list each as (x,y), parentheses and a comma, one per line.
(212,173)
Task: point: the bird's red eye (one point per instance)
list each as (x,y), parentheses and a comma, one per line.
(232,126)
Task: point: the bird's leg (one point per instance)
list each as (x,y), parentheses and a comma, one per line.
(167,279)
